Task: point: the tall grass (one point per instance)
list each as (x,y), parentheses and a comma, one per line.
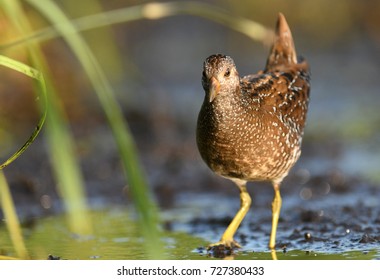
(155,11)
(62,153)
(34,74)
(126,147)
(6,201)
(11,219)
(61,146)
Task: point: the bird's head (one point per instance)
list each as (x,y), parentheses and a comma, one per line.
(219,76)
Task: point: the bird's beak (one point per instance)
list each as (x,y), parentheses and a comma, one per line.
(214,88)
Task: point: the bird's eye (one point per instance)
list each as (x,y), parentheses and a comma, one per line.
(227,73)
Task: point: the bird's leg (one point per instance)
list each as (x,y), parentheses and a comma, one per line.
(228,236)
(276,208)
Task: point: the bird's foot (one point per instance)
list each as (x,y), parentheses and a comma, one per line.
(223,248)
(224,244)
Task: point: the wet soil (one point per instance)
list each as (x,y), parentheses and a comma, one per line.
(337,223)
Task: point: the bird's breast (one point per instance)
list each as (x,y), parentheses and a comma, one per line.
(248,146)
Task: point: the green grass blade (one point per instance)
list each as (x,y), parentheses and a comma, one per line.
(11,219)
(154,11)
(6,201)
(99,40)
(146,209)
(35,74)
(67,171)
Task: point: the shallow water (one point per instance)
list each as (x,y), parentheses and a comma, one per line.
(305,234)
(115,237)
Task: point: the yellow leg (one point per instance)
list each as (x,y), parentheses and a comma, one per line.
(274,254)
(276,208)
(228,236)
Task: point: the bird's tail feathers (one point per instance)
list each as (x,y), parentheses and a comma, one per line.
(283,52)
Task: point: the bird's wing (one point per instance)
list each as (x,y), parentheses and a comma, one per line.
(284,93)
(282,89)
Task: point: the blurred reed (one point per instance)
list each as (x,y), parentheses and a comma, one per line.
(11,220)
(64,160)
(6,201)
(155,11)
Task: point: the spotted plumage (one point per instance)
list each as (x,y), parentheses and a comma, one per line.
(250,128)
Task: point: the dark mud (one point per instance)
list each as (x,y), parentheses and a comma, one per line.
(334,223)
